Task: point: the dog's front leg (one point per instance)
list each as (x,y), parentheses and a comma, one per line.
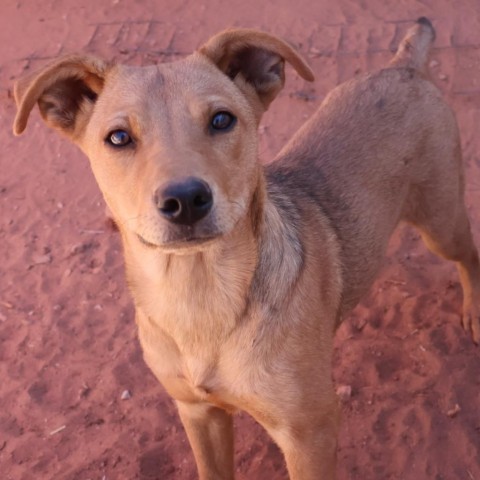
(210,432)
(308,439)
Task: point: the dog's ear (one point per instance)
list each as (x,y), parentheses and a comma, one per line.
(254,59)
(65,91)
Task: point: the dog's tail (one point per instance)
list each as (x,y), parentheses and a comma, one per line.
(415,46)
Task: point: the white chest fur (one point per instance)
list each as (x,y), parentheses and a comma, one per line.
(187,308)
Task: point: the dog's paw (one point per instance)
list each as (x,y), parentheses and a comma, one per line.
(471,322)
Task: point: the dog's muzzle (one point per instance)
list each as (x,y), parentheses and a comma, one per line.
(185,202)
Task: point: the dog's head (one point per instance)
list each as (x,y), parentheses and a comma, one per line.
(172,146)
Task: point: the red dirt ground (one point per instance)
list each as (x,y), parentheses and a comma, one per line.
(68,346)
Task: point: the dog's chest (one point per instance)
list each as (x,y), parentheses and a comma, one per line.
(190,370)
(184,324)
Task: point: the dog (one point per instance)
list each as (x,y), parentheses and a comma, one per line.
(241,273)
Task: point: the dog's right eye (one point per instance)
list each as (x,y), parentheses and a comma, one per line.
(119,138)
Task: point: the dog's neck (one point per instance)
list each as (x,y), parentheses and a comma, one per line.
(211,291)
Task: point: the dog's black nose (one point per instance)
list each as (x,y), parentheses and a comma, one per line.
(186,202)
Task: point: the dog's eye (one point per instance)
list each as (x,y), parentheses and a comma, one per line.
(223,122)
(119,138)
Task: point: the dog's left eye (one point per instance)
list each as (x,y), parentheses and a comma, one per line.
(223,121)
(119,138)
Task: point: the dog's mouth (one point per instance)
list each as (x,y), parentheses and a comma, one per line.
(180,243)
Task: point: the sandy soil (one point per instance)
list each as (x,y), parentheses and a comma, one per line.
(68,347)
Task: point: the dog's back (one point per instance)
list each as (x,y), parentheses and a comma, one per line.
(368,155)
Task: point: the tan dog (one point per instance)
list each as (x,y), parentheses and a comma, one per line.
(241,273)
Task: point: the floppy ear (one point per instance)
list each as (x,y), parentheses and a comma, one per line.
(254,59)
(65,91)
